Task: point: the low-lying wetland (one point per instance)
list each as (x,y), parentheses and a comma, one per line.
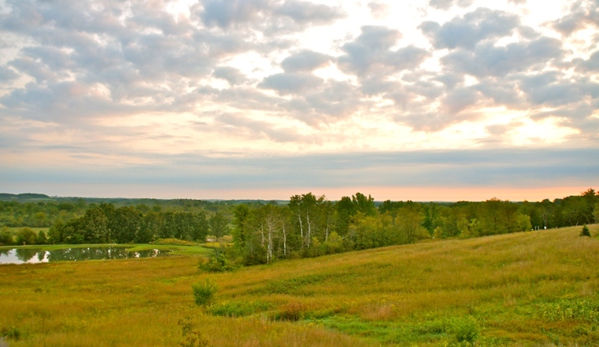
(33,256)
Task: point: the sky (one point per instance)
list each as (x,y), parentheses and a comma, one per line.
(430,100)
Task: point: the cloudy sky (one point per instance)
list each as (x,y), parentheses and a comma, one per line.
(423,100)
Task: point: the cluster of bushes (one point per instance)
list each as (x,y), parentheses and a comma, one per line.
(107,224)
(25,236)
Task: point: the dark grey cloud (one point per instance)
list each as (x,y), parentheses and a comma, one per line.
(309,13)
(589,65)
(472,28)
(61,101)
(377,86)
(502,92)
(40,72)
(305,60)
(555,89)
(462,168)
(7,74)
(377,37)
(459,99)
(406,57)
(147,59)
(229,74)
(291,83)
(333,101)
(249,128)
(225,13)
(370,53)
(583,13)
(261,14)
(450,79)
(243,98)
(489,60)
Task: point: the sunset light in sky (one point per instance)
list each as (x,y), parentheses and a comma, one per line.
(427,100)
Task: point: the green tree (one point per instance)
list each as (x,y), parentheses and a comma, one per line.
(150,227)
(6,237)
(124,224)
(41,238)
(365,231)
(95,225)
(409,223)
(26,236)
(364,204)
(344,210)
(200,227)
(55,233)
(40,219)
(307,216)
(334,244)
(219,225)
(241,226)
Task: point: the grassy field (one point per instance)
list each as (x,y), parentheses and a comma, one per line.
(526,289)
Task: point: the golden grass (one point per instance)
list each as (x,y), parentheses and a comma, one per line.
(510,286)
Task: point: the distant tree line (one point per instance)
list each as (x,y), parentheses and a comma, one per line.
(307,225)
(107,224)
(41,211)
(311,226)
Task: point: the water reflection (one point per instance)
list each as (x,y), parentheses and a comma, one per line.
(32,256)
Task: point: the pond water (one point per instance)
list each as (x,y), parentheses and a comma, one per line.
(33,256)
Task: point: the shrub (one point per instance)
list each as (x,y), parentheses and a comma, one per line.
(26,236)
(466,331)
(41,238)
(217,263)
(203,292)
(291,312)
(585,231)
(11,333)
(6,237)
(191,336)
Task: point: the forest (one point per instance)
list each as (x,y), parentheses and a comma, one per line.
(265,231)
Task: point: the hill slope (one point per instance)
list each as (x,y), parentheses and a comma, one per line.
(538,288)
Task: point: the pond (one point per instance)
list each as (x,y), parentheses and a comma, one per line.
(33,256)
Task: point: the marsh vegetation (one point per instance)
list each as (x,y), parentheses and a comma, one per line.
(527,289)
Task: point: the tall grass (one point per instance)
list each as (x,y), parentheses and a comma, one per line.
(536,288)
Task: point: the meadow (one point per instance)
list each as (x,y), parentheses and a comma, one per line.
(524,289)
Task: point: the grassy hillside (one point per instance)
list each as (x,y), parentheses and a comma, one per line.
(537,288)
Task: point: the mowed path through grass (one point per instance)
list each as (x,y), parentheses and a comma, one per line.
(534,288)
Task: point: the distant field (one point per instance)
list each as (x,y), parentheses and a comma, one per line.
(523,289)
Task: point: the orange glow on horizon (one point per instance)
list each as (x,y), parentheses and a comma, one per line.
(422,194)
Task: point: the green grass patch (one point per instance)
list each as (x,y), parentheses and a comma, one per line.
(239,308)
(174,242)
